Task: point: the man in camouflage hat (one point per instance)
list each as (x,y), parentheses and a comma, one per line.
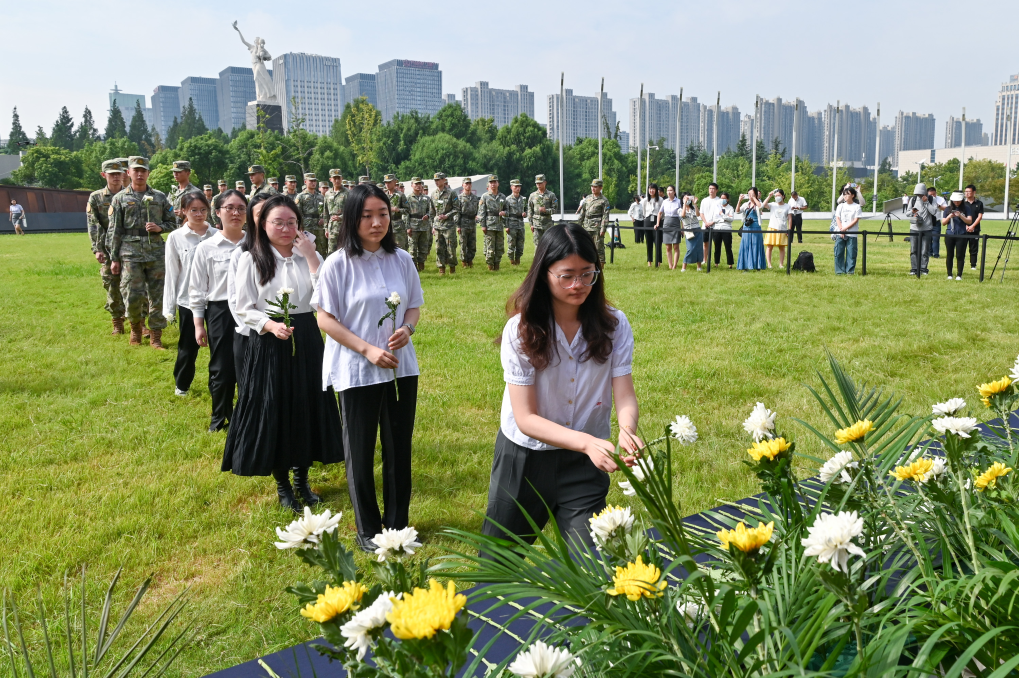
(398,208)
(290,186)
(256,175)
(221,185)
(594,217)
(310,203)
(182,175)
(468,228)
(274,184)
(333,202)
(419,219)
(541,205)
(239,185)
(446,207)
(323,189)
(364,179)
(139,215)
(97,214)
(516,210)
(491,214)
(213,217)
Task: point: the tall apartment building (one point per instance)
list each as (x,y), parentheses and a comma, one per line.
(746,129)
(855,135)
(1005,127)
(502,105)
(360,85)
(127,103)
(202,91)
(450,98)
(165,107)
(403,85)
(776,120)
(913,131)
(308,86)
(974,132)
(234,91)
(578,117)
(658,120)
(887,143)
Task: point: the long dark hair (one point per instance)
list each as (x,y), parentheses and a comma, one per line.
(249,223)
(350,239)
(258,239)
(533,300)
(190,197)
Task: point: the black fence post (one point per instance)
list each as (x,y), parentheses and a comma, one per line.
(983,254)
(612,244)
(864,258)
(789,255)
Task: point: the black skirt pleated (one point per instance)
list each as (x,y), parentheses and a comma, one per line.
(283,418)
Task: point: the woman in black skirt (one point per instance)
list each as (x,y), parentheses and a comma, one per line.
(283,418)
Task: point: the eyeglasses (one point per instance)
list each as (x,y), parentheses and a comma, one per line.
(279,223)
(568,281)
(234,209)
(198,210)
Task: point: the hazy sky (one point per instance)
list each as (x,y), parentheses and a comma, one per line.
(926,57)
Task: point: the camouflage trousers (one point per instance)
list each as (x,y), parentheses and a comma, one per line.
(494,246)
(445,247)
(537,233)
(111,283)
(599,240)
(333,231)
(515,243)
(400,235)
(142,281)
(468,242)
(419,245)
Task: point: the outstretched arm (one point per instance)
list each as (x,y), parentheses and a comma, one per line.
(246,43)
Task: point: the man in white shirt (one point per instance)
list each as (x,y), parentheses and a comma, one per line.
(797,204)
(711,208)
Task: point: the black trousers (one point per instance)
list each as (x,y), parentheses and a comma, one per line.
(974,247)
(371,412)
(719,238)
(220,327)
(653,242)
(955,248)
(797,228)
(638,232)
(240,344)
(187,350)
(563,482)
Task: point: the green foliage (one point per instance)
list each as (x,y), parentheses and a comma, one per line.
(115,125)
(161,178)
(191,124)
(17,135)
(438,150)
(451,120)
(86,133)
(93,156)
(51,167)
(208,155)
(62,135)
(363,125)
(138,132)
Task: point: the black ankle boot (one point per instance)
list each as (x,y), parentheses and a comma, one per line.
(303,489)
(286,492)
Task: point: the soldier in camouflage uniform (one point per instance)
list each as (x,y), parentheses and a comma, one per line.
(310,202)
(516,209)
(242,188)
(446,206)
(541,205)
(274,184)
(594,217)
(182,175)
(364,179)
(468,229)
(491,211)
(290,187)
(213,217)
(399,211)
(256,175)
(333,203)
(97,212)
(419,219)
(221,184)
(139,215)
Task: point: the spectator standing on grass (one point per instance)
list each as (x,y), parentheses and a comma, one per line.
(956,218)
(796,205)
(18,217)
(722,229)
(670,223)
(976,210)
(939,206)
(651,205)
(847,228)
(692,233)
(243,332)
(778,225)
(921,211)
(709,212)
(636,214)
(751,244)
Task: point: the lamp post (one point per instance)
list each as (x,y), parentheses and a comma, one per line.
(835,154)
(639,134)
(962,158)
(562,117)
(601,96)
(679,128)
(648,181)
(714,140)
(753,140)
(1008,163)
(796,114)
(877,153)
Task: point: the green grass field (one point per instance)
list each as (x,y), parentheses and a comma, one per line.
(102,465)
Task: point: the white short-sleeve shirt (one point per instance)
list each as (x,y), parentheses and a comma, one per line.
(572,393)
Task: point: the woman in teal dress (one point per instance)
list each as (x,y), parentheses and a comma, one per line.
(751,244)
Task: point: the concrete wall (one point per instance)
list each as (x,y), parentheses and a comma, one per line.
(48,222)
(9,163)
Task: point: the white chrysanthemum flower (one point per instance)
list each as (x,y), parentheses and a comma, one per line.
(357,631)
(836,468)
(830,539)
(285,290)
(948,408)
(937,470)
(307,530)
(394,299)
(543,661)
(638,472)
(960,426)
(689,611)
(1014,374)
(683,430)
(396,543)
(613,522)
(760,423)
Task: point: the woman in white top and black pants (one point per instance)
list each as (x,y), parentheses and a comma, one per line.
(566,354)
(374,367)
(283,418)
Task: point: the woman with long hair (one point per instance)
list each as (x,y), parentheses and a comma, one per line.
(651,206)
(636,214)
(243,331)
(779,225)
(692,233)
(956,216)
(284,419)
(670,219)
(566,354)
(372,364)
(751,244)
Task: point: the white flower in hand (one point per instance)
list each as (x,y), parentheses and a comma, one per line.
(949,407)
(394,299)
(357,631)
(760,423)
(638,472)
(683,430)
(307,530)
(836,468)
(830,539)
(285,290)
(543,661)
(396,543)
(960,426)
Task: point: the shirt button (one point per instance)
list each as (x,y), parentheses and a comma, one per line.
(569,402)
(567,423)
(572,380)
(571,357)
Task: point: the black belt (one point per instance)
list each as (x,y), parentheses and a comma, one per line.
(139,232)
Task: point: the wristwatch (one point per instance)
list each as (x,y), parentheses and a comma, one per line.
(409,327)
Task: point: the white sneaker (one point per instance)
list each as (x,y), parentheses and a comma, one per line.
(958,277)
(972,268)
(178,392)
(949,277)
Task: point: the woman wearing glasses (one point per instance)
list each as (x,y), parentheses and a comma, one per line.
(566,354)
(284,419)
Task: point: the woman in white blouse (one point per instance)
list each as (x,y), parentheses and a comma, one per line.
(207,295)
(779,225)
(566,355)
(284,419)
(373,366)
(670,219)
(650,206)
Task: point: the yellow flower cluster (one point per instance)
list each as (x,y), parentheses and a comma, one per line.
(854,432)
(636,580)
(746,539)
(335,601)
(916,471)
(768,448)
(989,478)
(993,388)
(421,613)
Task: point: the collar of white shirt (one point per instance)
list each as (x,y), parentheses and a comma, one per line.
(378,254)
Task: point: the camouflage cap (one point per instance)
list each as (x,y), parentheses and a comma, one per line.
(439,175)
(256,169)
(596,182)
(207,187)
(273,181)
(515,182)
(389,178)
(364,180)
(381,185)
(290,177)
(123,162)
(181,166)
(222,182)
(335,173)
(137,162)
(310,176)
(493,177)
(240,184)
(467,180)
(113,167)
(416,180)
(540,179)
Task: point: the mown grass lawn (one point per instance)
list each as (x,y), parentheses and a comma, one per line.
(103,466)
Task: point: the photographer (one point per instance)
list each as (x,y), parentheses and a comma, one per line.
(921,210)
(939,206)
(976,210)
(957,217)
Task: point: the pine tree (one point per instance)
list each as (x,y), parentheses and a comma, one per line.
(191,123)
(116,128)
(173,133)
(743,147)
(40,137)
(138,132)
(17,137)
(87,132)
(62,135)
(762,150)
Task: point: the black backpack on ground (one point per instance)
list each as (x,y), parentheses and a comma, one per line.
(804,262)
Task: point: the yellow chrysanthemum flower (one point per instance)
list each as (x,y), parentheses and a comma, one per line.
(768,448)
(990,477)
(746,539)
(638,580)
(917,471)
(993,388)
(335,601)
(421,613)
(854,432)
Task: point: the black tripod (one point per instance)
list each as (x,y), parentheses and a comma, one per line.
(1006,245)
(887,220)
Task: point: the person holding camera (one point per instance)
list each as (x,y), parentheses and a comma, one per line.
(957,218)
(939,206)
(797,205)
(778,225)
(751,245)
(847,229)
(921,210)
(976,209)
(692,232)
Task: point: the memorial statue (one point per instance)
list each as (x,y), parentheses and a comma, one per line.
(264,90)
